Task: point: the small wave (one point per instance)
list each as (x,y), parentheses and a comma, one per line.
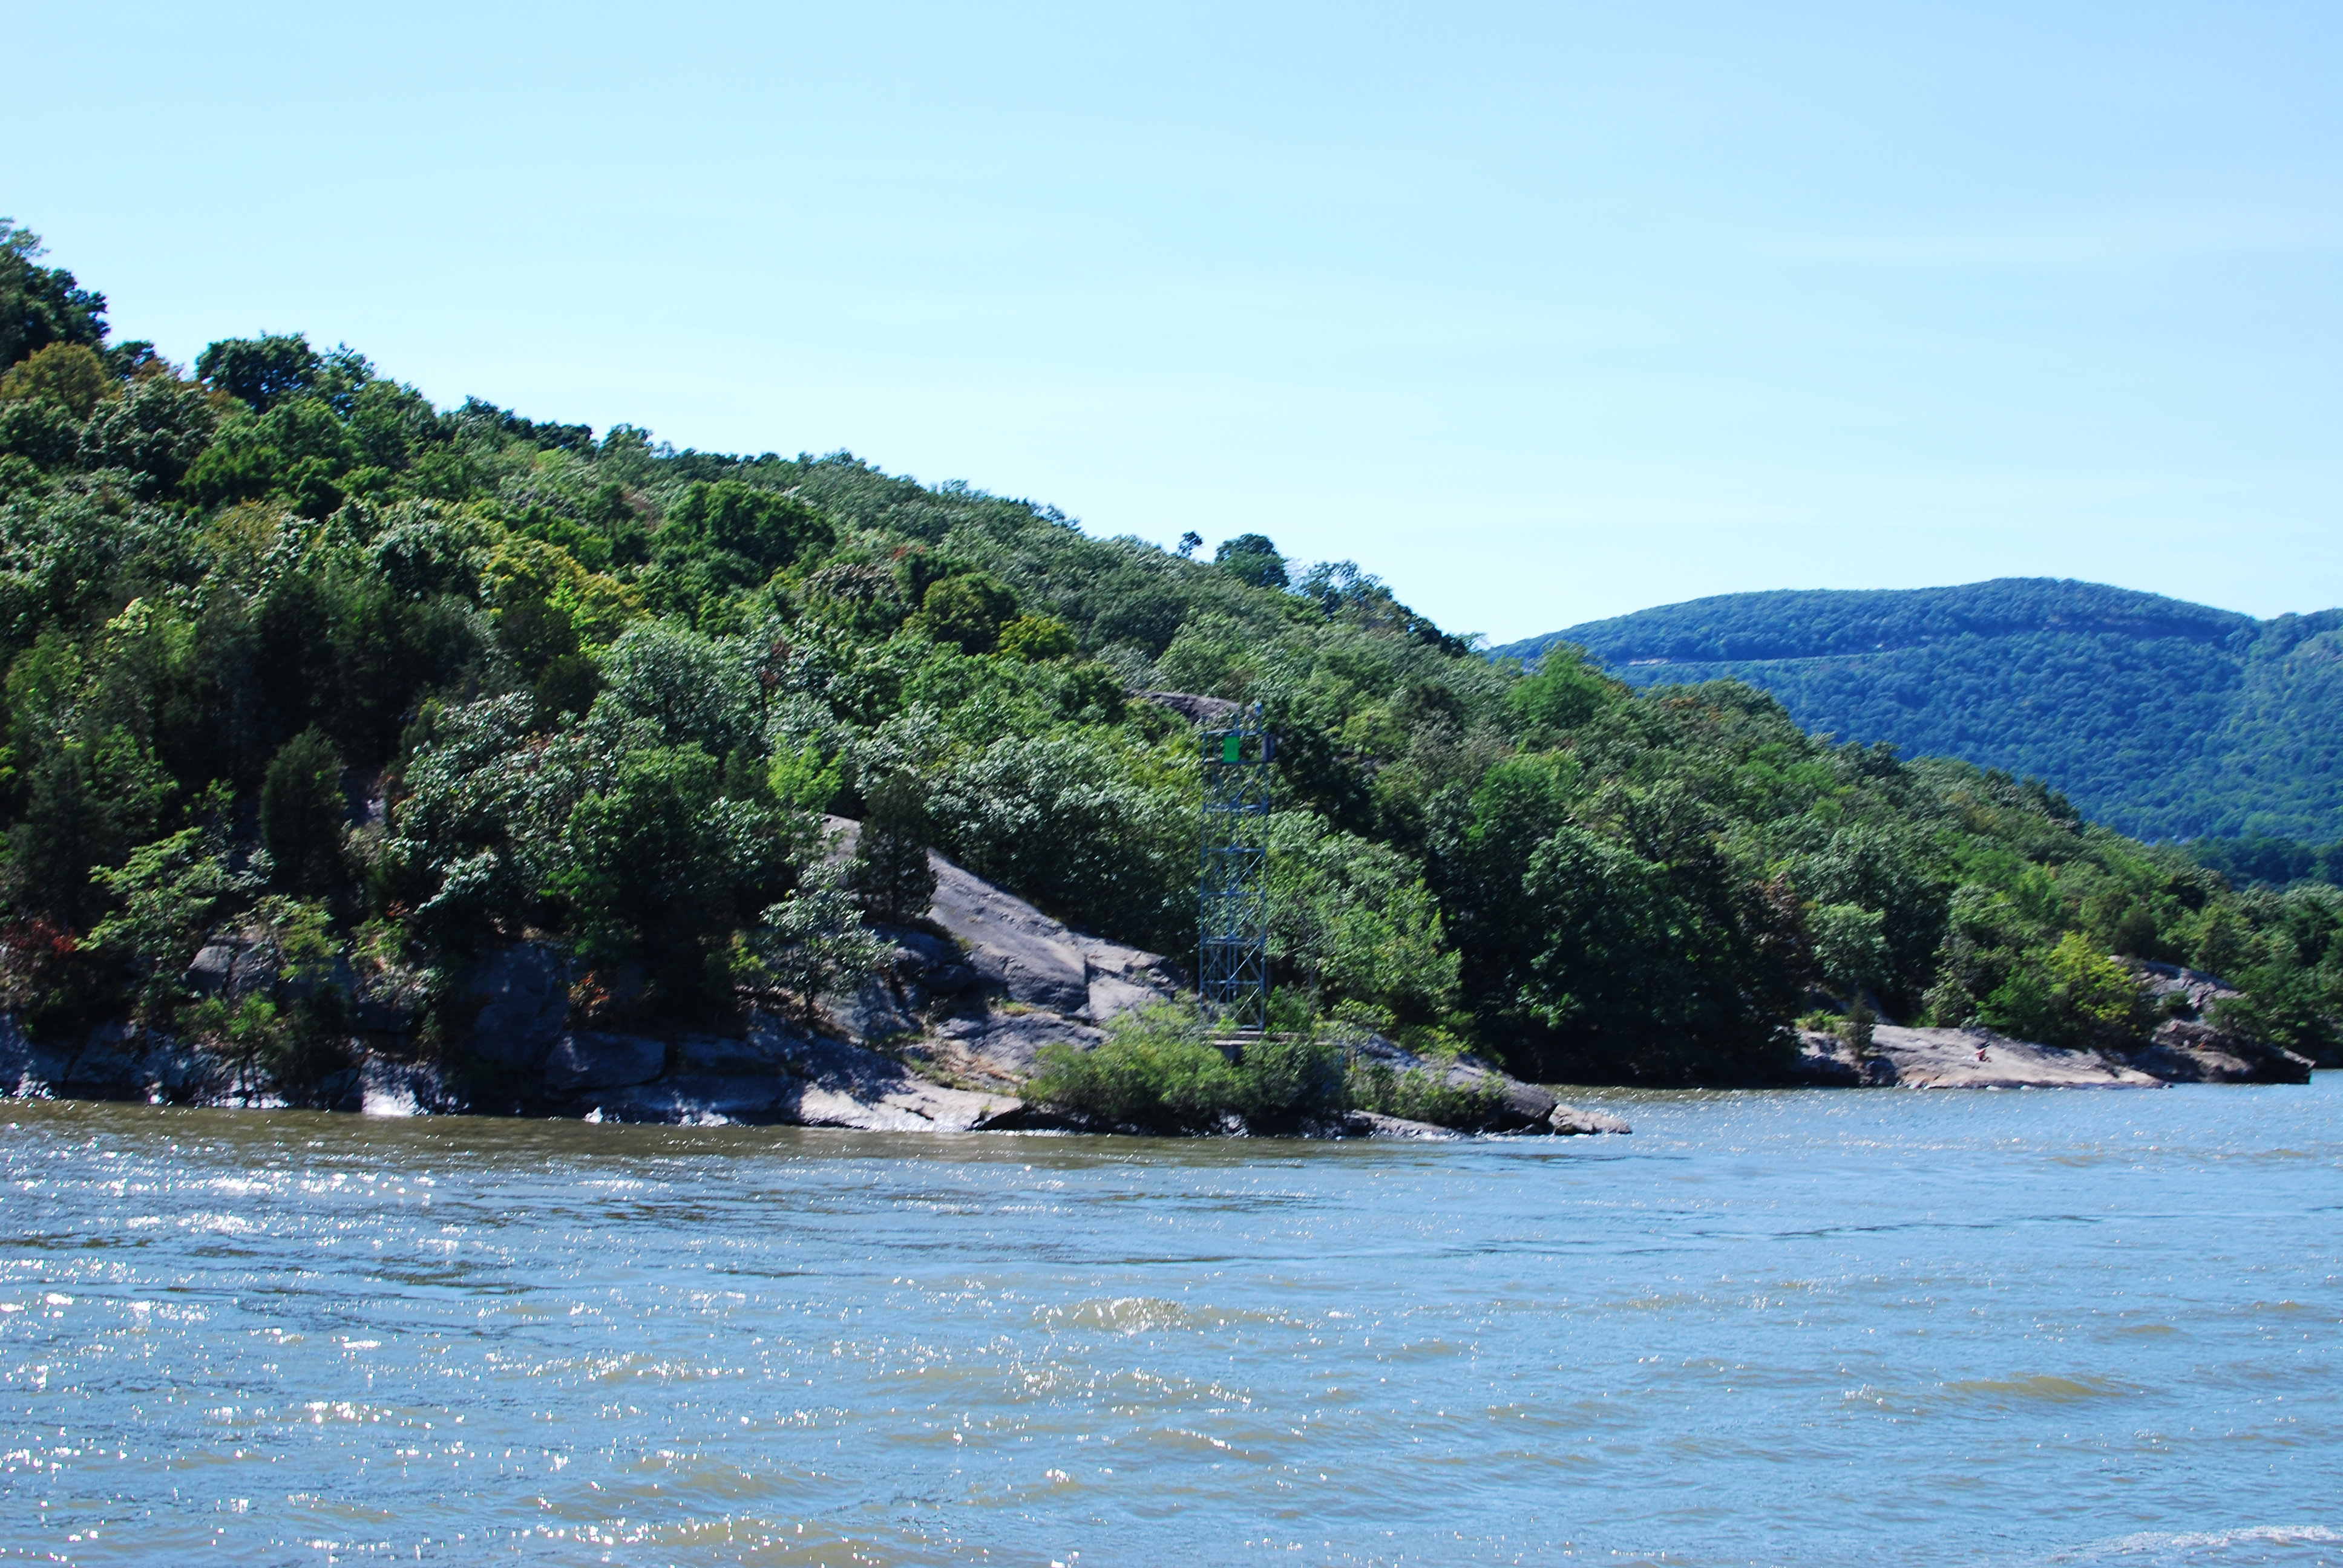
(1139,1314)
(2042,1389)
(2199,1545)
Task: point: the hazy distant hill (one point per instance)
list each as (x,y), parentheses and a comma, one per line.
(2165,719)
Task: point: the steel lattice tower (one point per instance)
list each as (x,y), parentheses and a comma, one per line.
(1233,972)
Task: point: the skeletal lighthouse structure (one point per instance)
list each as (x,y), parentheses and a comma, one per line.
(1232,968)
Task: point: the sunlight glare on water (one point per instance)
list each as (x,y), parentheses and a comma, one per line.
(1800,1327)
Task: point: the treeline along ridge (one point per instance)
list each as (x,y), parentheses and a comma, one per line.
(289,647)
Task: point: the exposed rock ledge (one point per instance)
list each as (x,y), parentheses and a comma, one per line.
(2182,1052)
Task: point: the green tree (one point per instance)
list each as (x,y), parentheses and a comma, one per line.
(1099,833)
(1851,946)
(814,943)
(1352,920)
(68,827)
(297,447)
(168,894)
(967,610)
(261,372)
(1564,693)
(70,375)
(691,690)
(660,867)
(302,813)
(154,431)
(39,304)
(765,528)
(640,881)
(1252,558)
(1037,637)
(855,598)
(891,872)
(2075,996)
(1662,960)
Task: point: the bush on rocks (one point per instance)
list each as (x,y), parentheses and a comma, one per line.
(1158,1070)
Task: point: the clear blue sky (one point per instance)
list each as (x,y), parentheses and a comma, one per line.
(1543,313)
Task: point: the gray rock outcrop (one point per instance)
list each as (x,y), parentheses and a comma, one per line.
(1826,1061)
(1569,1121)
(997,1050)
(581,1060)
(779,1074)
(16,1058)
(981,938)
(1011,945)
(1507,1104)
(209,974)
(1980,1059)
(1206,711)
(1375,1124)
(2184,991)
(518,999)
(2185,1050)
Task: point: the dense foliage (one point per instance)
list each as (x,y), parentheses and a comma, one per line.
(2161,717)
(1159,1071)
(292,652)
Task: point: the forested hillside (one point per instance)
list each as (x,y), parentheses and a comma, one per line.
(2164,719)
(290,649)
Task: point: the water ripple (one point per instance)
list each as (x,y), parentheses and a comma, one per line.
(1769,1328)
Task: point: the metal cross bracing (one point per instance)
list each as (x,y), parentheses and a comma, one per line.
(1232,974)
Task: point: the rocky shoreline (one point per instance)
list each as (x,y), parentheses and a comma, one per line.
(1980,1059)
(945,1039)
(2186,1048)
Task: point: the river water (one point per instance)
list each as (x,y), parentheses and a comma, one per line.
(1808,1327)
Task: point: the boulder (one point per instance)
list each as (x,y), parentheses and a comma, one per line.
(388,1088)
(388,1001)
(182,1072)
(253,970)
(582,1059)
(759,1051)
(1375,1124)
(1124,979)
(521,997)
(779,1074)
(2184,991)
(918,953)
(1571,1122)
(909,1105)
(702,1100)
(925,969)
(209,974)
(1520,1107)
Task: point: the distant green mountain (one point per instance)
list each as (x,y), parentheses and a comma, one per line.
(2164,719)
